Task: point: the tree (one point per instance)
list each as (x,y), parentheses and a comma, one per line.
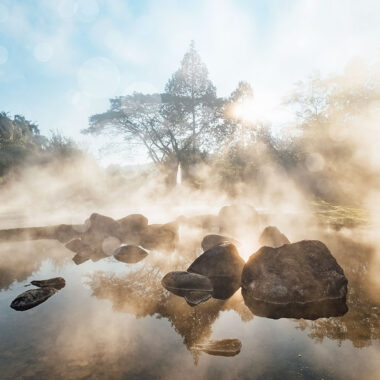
(179,125)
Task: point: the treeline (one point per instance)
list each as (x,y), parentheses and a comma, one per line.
(21,144)
(189,124)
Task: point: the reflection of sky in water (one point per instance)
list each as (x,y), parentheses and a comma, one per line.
(76,334)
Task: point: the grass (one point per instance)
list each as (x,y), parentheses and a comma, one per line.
(338,216)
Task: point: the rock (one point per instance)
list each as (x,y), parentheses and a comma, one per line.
(210,241)
(100,227)
(160,236)
(32,298)
(65,232)
(300,280)
(233,218)
(56,283)
(272,237)
(84,252)
(207,222)
(130,254)
(194,288)
(77,246)
(223,266)
(225,347)
(131,228)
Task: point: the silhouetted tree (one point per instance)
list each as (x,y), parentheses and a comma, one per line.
(180,125)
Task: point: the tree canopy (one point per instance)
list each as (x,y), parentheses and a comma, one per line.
(184,122)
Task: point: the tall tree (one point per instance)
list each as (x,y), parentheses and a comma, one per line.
(177,125)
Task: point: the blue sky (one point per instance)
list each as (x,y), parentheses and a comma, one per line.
(60,61)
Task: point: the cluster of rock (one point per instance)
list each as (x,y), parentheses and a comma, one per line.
(34,297)
(102,236)
(281,279)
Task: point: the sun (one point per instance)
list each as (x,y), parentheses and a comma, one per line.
(245,111)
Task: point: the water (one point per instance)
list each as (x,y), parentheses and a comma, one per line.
(115,321)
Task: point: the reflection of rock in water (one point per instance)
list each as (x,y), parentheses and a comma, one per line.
(130,254)
(309,310)
(56,283)
(225,347)
(295,280)
(140,293)
(84,252)
(18,260)
(361,324)
(32,298)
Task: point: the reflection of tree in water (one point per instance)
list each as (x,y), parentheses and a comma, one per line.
(19,260)
(140,293)
(361,324)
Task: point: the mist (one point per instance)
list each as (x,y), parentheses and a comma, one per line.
(204,179)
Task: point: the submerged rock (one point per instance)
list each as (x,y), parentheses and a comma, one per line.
(194,288)
(56,283)
(225,347)
(210,241)
(223,266)
(272,237)
(32,298)
(300,280)
(130,254)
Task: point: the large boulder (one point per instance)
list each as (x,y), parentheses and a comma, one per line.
(193,287)
(272,237)
(130,254)
(300,280)
(210,241)
(223,266)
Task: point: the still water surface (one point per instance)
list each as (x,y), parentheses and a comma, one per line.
(115,321)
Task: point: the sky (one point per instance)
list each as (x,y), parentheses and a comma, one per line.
(60,61)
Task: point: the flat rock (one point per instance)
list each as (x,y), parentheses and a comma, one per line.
(294,278)
(272,237)
(193,287)
(130,254)
(32,298)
